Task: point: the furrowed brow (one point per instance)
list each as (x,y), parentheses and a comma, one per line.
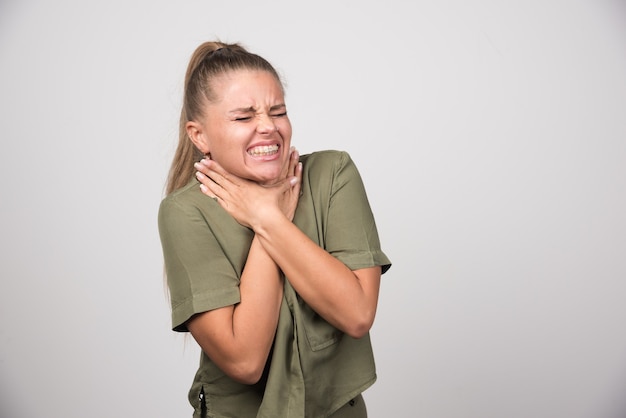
(243,110)
(251,109)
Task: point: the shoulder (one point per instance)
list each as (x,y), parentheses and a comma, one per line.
(327,161)
(329,171)
(326,157)
(187,200)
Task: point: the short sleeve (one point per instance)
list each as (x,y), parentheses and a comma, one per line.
(199,275)
(343,211)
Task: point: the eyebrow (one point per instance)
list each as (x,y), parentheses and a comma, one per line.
(252,109)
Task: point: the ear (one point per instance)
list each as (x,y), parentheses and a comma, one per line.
(197,136)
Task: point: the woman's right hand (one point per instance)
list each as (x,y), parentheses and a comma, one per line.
(247,201)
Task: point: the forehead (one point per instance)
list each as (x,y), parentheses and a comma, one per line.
(246,85)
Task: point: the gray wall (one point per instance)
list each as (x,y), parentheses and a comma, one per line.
(492,141)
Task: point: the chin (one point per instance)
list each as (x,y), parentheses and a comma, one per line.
(267,181)
(267,178)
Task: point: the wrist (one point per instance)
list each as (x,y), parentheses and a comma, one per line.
(269,222)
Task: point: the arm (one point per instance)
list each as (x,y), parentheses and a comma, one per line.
(238,338)
(346,299)
(321,279)
(239,312)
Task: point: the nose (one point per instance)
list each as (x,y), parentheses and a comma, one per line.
(266,125)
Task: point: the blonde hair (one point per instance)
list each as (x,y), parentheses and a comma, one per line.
(209,61)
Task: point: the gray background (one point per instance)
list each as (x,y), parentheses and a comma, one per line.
(492,140)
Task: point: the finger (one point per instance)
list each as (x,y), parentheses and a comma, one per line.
(299,170)
(212,164)
(205,190)
(219,175)
(293,162)
(212,171)
(295,181)
(205,178)
(208,186)
(205,165)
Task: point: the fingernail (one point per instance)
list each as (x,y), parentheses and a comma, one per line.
(293,181)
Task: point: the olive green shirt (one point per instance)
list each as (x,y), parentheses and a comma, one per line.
(313,368)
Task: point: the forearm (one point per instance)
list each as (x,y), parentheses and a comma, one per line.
(239,338)
(325,283)
(256,316)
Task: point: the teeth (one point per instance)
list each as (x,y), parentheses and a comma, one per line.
(263,150)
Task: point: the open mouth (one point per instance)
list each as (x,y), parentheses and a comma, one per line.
(263,150)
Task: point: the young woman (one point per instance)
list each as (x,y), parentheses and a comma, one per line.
(273,259)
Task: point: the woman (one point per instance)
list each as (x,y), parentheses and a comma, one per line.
(272,259)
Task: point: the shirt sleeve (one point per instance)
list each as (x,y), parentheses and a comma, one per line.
(351,234)
(199,276)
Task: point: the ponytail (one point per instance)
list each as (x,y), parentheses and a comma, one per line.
(209,61)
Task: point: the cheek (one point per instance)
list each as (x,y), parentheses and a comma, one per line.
(231,138)
(285,129)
